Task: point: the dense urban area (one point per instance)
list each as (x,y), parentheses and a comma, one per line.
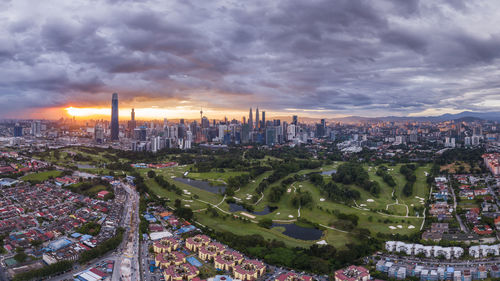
(249,199)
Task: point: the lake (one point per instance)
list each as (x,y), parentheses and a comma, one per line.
(329,173)
(202,185)
(300,232)
(233,207)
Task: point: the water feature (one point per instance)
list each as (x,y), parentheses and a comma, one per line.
(202,185)
(233,207)
(85,166)
(300,232)
(329,173)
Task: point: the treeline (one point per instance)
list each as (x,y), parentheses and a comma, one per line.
(316,259)
(53,269)
(160,180)
(181,211)
(101,249)
(460,154)
(220,162)
(235,182)
(408,171)
(119,166)
(278,190)
(84,186)
(139,183)
(283,169)
(382,172)
(333,191)
(354,173)
(302,198)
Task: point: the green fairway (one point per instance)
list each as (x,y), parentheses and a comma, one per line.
(42,176)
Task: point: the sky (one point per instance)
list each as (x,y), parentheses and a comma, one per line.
(319,58)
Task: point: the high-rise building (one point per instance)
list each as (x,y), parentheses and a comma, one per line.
(263,119)
(18,130)
(132,124)
(250,119)
(114,118)
(36,128)
(257,124)
(98,133)
(295,120)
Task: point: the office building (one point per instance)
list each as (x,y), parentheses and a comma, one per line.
(114,118)
(250,119)
(18,130)
(36,128)
(257,123)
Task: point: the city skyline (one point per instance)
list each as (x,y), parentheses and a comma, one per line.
(318,59)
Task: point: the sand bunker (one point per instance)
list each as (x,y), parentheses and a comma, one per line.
(321,199)
(411,227)
(392,227)
(247,215)
(290,216)
(399,226)
(370,200)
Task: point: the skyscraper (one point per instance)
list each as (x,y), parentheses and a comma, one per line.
(132,120)
(263,119)
(295,120)
(257,124)
(250,119)
(114,118)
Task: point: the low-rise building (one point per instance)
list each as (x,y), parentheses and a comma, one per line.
(354,273)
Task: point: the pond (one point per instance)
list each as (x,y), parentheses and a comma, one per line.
(300,232)
(85,166)
(233,207)
(202,185)
(328,173)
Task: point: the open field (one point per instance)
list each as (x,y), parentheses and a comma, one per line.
(42,176)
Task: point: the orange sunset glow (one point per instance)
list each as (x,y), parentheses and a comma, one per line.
(150,113)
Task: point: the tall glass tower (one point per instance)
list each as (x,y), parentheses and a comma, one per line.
(114,117)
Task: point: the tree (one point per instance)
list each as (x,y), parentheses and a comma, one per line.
(151,174)
(266,223)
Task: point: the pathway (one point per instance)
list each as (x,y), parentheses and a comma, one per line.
(262,197)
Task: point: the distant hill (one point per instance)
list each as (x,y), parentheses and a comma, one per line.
(466,116)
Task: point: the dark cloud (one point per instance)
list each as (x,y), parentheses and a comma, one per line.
(345,56)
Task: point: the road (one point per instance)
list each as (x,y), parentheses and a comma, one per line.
(127,250)
(127,265)
(462,225)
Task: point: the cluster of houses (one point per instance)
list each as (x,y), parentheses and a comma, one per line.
(174,255)
(19,165)
(427,251)
(49,215)
(404,271)
(440,207)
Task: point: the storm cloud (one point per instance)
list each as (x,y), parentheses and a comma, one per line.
(356,57)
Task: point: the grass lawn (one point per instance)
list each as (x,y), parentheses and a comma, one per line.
(319,212)
(42,176)
(215,177)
